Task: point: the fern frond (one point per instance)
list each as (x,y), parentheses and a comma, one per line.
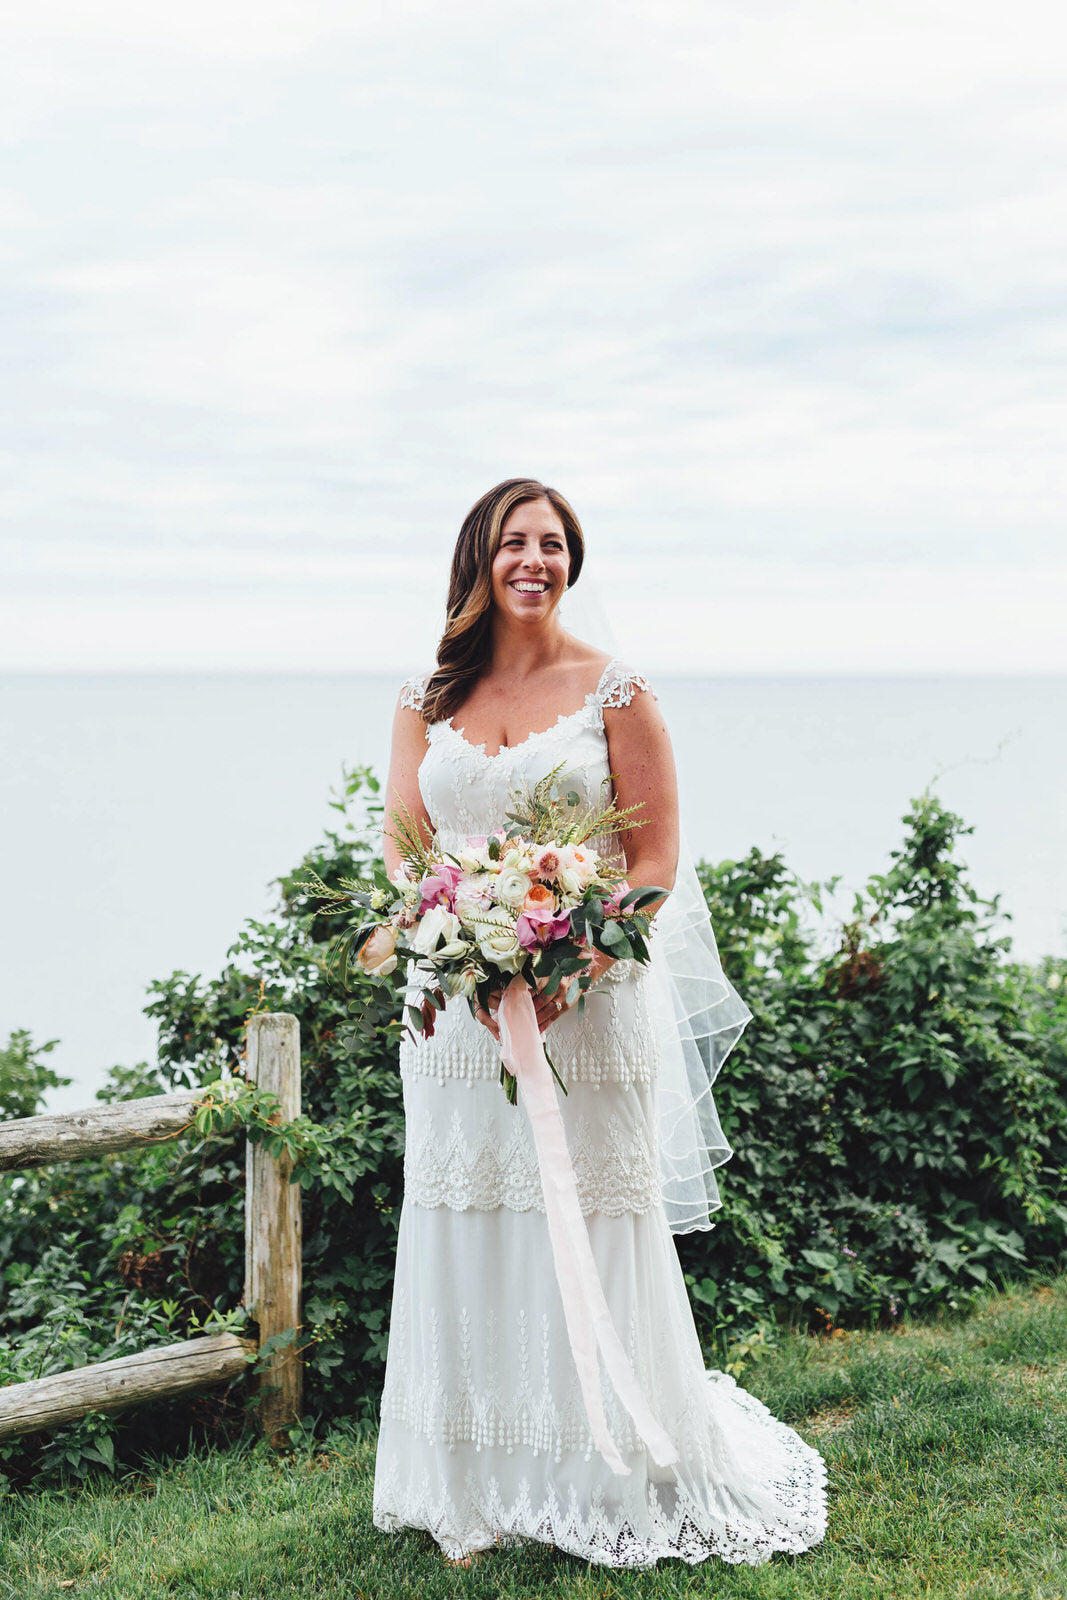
(408,837)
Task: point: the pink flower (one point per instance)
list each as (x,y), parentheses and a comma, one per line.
(439,888)
(546,861)
(535,929)
(611,907)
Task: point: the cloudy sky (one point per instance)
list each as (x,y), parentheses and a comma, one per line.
(775,293)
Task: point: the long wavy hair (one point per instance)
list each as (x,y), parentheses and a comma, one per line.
(463,652)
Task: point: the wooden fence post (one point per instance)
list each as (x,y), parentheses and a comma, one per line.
(273,1234)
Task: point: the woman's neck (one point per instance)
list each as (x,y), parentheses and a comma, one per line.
(524,648)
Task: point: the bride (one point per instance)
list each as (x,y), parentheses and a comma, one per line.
(485,1434)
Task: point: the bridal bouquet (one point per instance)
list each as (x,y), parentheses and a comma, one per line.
(533,899)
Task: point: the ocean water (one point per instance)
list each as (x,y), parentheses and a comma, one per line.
(143,817)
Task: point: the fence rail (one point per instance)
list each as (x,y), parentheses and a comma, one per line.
(273,1249)
(69,1135)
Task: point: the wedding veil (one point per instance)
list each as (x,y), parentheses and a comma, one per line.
(697,1014)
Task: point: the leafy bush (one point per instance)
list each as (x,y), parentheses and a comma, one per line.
(896,1107)
(25,1076)
(920,1077)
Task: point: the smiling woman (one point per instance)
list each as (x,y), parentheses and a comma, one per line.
(519,548)
(544,1379)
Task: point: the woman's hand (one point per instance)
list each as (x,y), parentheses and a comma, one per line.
(488,1018)
(549,1009)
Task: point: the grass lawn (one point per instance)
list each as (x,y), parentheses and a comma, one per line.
(946,1444)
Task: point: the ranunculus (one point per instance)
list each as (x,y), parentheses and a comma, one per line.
(438,887)
(437,925)
(540,898)
(535,929)
(377,955)
(498,943)
(511,887)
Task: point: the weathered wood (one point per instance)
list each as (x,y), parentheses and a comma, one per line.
(69,1135)
(127,1381)
(273,1233)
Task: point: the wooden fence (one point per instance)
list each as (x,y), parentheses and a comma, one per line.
(272,1254)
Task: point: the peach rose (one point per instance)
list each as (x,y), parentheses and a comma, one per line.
(539,898)
(377,956)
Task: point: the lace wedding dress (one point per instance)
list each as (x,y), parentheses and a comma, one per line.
(484,1434)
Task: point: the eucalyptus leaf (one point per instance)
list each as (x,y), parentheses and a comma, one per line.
(642,897)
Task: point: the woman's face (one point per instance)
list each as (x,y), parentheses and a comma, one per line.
(532,563)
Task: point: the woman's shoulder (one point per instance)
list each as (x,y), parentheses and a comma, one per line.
(618,680)
(413,691)
(619,683)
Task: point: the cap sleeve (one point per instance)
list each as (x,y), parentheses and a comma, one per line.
(618,685)
(413,692)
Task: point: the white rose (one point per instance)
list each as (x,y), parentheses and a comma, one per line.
(512,886)
(473,859)
(499,944)
(438,924)
(455,947)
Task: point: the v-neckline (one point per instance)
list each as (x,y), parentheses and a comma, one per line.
(509,749)
(506,749)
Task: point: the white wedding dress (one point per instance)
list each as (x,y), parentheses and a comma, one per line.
(484,1435)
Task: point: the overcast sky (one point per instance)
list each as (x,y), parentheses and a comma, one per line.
(776,294)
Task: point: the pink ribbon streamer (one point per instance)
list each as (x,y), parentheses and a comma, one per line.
(585,1308)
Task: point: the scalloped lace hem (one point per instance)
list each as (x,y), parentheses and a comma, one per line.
(784,1511)
(606,1541)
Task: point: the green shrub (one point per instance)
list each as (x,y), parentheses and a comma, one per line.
(896,1108)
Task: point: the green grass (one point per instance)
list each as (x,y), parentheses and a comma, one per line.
(946,1445)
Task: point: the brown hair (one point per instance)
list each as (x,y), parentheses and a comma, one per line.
(463,652)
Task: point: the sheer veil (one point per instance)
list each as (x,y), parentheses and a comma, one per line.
(697,1014)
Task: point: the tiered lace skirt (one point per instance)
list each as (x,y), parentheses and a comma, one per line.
(484,1436)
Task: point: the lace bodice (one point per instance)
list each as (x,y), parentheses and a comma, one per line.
(466,791)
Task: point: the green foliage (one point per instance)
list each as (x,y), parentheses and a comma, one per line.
(896,1108)
(25,1077)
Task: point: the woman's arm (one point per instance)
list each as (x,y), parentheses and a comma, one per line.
(402,785)
(641,758)
(642,762)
